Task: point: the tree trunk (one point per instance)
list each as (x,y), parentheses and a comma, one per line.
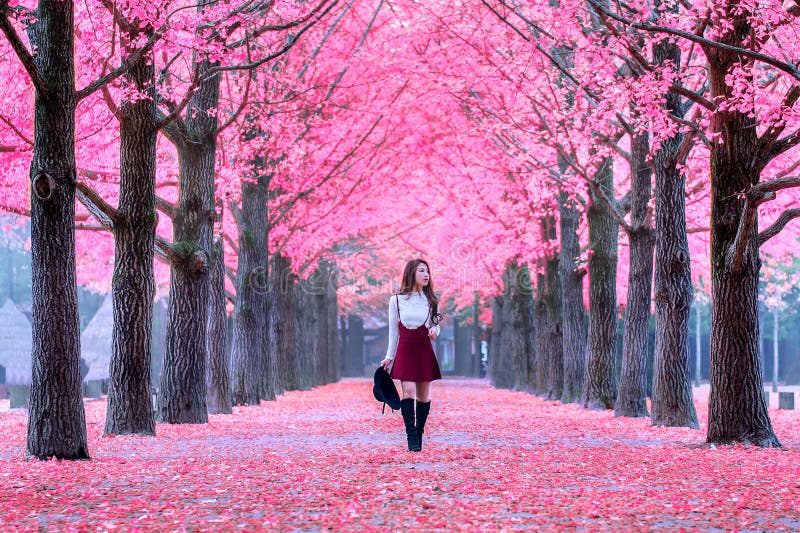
(554,332)
(331,330)
(500,360)
(601,383)
(463,354)
(306,329)
(672,388)
(249,314)
(632,397)
(218,379)
(56,420)
(522,352)
(182,395)
(310,328)
(354,347)
(130,404)
(283,326)
(737,409)
(542,362)
(571,284)
(475,366)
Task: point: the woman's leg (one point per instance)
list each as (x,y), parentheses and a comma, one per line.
(407,410)
(423,407)
(409,389)
(423,391)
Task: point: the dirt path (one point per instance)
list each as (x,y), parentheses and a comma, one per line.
(328,460)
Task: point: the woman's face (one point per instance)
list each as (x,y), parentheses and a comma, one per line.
(421,275)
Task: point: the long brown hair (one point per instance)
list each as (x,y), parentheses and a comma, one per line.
(407,287)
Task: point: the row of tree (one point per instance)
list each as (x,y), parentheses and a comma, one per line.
(622,73)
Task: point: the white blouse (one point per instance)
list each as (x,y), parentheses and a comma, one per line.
(414,311)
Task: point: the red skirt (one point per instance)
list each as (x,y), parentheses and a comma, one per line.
(415,360)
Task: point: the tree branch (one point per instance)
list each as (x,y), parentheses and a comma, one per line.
(654,28)
(16,130)
(165,252)
(102,211)
(777,226)
(120,70)
(21,50)
(136,56)
(233,244)
(168,208)
(759,189)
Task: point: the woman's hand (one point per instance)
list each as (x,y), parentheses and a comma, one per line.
(386,363)
(433,332)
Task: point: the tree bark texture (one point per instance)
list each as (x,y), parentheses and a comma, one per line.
(542,362)
(182,394)
(218,378)
(521,321)
(571,283)
(283,326)
(632,397)
(551,289)
(331,308)
(325,347)
(130,403)
(671,400)
(601,382)
(737,406)
(56,419)
(312,324)
(307,326)
(249,313)
(500,362)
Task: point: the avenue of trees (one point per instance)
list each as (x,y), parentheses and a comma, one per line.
(562,164)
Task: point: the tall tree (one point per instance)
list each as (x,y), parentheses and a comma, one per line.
(56,421)
(600,390)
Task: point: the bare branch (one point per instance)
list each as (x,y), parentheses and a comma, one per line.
(102,211)
(769,137)
(694,96)
(233,244)
(168,208)
(22,52)
(759,189)
(87,227)
(124,67)
(790,141)
(20,211)
(165,252)
(16,130)
(777,226)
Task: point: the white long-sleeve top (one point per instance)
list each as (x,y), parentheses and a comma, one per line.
(414,312)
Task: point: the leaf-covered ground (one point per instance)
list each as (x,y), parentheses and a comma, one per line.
(328,460)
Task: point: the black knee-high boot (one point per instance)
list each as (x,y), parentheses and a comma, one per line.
(423,408)
(407,410)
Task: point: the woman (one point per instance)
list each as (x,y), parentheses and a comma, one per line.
(413,322)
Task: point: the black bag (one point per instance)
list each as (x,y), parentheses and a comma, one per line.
(384,390)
